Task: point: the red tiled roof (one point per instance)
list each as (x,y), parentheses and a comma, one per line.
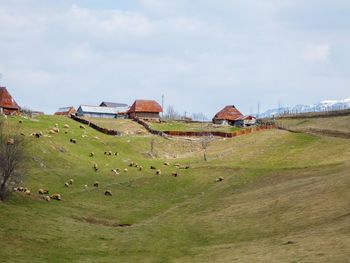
(66,111)
(145,106)
(6,100)
(229,113)
(248,117)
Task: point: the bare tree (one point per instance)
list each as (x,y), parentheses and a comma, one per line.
(199,116)
(27,111)
(205,142)
(171,114)
(11,159)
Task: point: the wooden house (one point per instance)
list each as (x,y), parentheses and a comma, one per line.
(227,116)
(100,112)
(145,109)
(8,105)
(66,111)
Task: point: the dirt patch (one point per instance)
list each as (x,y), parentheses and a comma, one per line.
(101,222)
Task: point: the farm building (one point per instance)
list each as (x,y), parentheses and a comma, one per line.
(145,109)
(113,104)
(231,116)
(245,121)
(8,105)
(66,111)
(100,112)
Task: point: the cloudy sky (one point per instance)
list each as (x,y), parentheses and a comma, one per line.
(200,54)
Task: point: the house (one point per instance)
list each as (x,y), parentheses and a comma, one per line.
(113,104)
(245,121)
(66,111)
(145,109)
(227,116)
(8,105)
(121,107)
(100,112)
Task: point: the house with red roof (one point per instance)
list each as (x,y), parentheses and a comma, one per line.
(230,115)
(145,109)
(8,105)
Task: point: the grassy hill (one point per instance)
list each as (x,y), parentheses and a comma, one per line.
(284,198)
(338,123)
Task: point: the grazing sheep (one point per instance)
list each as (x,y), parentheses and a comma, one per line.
(23,134)
(20,189)
(86,186)
(20,121)
(219,179)
(66,126)
(110,153)
(116,153)
(38,134)
(10,141)
(46,191)
(56,197)
(92,154)
(47,198)
(166,163)
(115,171)
(140,168)
(177,164)
(41,191)
(108,192)
(153,168)
(126,169)
(82,127)
(52,132)
(174,174)
(131,164)
(95,184)
(15,189)
(73,140)
(184,167)
(158,172)
(66,184)
(56,130)
(71,181)
(95,167)
(27,192)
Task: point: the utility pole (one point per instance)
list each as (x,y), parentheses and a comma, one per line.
(163,106)
(258,109)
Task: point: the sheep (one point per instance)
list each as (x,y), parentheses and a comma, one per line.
(95,184)
(52,132)
(20,189)
(131,164)
(153,168)
(41,191)
(82,127)
(38,134)
(92,154)
(73,140)
(177,164)
(86,186)
(66,184)
(174,174)
(56,130)
(108,193)
(110,153)
(15,189)
(46,191)
(27,192)
(46,198)
(115,171)
(71,181)
(20,121)
(158,172)
(66,126)
(10,141)
(116,153)
(219,179)
(126,169)
(105,153)
(95,167)
(56,197)
(23,134)
(166,163)
(140,168)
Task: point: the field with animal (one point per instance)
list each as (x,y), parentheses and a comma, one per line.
(270,196)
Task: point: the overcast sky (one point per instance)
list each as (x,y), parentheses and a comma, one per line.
(202,55)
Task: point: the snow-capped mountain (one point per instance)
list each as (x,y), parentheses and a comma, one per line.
(326,105)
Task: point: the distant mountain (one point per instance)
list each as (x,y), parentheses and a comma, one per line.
(326,105)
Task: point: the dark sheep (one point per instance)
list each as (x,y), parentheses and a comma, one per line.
(108,192)
(56,197)
(174,174)
(153,168)
(73,140)
(95,184)
(219,179)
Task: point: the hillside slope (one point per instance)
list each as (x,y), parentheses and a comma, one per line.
(284,198)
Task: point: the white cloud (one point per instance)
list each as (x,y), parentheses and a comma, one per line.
(317,53)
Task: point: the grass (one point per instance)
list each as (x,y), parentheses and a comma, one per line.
(192,126)
(278,187)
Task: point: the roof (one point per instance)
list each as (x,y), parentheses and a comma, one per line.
(145,106)
(113,104)
(64,109)
(229,113)
(102,110)
(247,117)
(6,100)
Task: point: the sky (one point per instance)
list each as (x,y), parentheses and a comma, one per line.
(201,54)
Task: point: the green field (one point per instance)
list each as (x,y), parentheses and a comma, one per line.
(191,126)
(284,198)
(340,123)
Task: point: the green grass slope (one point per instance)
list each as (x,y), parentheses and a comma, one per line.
(278,187)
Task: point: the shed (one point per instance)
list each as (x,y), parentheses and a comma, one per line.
(145,109)
(66,111)
(227,116)
(99,112)
(8,105)
(245,121)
